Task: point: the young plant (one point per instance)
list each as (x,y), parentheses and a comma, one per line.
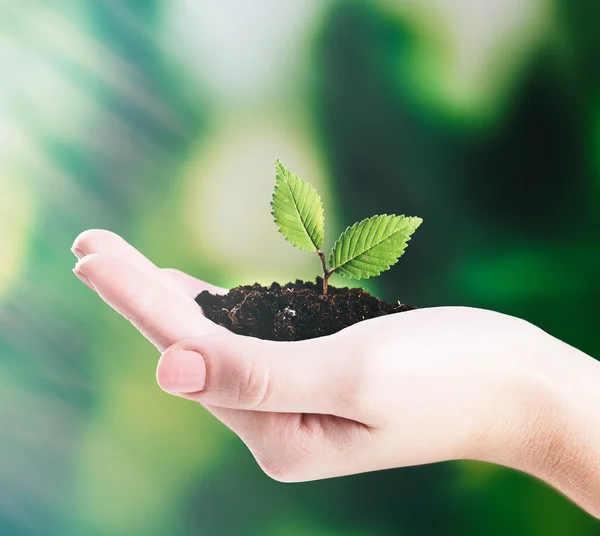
(363,250)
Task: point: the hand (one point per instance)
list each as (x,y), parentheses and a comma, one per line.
(411,388)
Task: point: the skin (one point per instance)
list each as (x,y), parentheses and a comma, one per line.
(418,387)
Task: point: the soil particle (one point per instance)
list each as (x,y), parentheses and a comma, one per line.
(293,312)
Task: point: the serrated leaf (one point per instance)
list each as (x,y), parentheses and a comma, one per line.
(298,210)
(372,246)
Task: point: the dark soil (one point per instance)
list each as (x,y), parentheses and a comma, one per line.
(293,312)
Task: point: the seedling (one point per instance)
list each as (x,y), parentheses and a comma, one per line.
(366,249)
(297,311)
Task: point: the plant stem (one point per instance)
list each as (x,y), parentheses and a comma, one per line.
(326,273)
(326,277)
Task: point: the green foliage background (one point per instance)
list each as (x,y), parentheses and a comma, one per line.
(161,121)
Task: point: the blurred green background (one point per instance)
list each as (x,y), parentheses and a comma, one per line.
(162,121)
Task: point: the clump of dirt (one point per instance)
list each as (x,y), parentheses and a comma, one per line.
(293,312)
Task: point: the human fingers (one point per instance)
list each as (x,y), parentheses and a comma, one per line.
(103,241)
(160,313)
(321,376)
(100,241)
(290,446)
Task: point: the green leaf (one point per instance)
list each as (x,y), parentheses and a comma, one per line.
(372,246)
(297,210)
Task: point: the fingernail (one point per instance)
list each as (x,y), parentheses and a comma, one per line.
(181,371)
(79,253)
(82,277)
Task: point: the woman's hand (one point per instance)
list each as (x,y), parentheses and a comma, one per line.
(405,389)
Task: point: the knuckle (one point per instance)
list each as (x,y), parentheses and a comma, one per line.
(254,385)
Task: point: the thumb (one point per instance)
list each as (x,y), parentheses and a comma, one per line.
(231,371)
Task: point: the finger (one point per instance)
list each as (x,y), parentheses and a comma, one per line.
(289,446)
(99,241)
(259,430)
(192,285)
(161,314)
(315,376)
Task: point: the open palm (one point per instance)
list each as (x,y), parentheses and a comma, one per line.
(280,428)
(410,388)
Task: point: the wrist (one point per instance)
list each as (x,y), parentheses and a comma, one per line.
(550,422)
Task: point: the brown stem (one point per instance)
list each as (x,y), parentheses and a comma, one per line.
(326,273)
(326,277)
